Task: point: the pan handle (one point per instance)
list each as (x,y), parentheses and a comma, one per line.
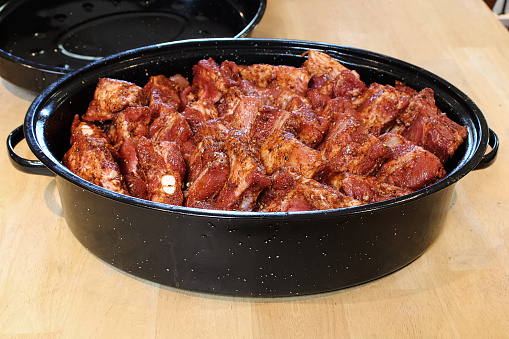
(488,159)
(22,164)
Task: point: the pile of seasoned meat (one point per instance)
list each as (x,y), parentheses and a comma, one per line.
(262,138)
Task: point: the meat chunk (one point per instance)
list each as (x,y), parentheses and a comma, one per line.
(173,127)
(439,135)
(199,112)
(245,114)
(206,78)
(320,91)
(82,129)
(163,170)
(338,106)
(424,124)
(287,99)
(128,123)
(319,64)
(94,163)
(291,192)
(311,127)
(410,166)
(271,120)
(247,176)
(366,189)
(230,101)
(347,84)
(350,148)
(332,77)
(110,97)
(209,169)
(215,128)
(276,77)
(211,81)
(420,103)
(91,158)
(267,95)
(283,150)
(162,95)
(379,106)
(131,170)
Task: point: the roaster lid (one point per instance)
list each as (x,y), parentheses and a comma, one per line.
(42,40)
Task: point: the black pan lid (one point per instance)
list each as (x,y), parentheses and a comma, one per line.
(42,40)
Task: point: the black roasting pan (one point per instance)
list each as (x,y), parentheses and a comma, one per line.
(42,40)
(246,253)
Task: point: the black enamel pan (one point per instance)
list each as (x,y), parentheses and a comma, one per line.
(42,40)
(246,253)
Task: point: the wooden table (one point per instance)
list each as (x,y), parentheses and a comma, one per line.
(50,286)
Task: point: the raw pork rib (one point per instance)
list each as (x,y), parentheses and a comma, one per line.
(267,138)
(91,157)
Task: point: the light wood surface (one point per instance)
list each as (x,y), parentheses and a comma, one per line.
(52,287)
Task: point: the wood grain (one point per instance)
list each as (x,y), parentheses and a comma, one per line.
(51,287)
